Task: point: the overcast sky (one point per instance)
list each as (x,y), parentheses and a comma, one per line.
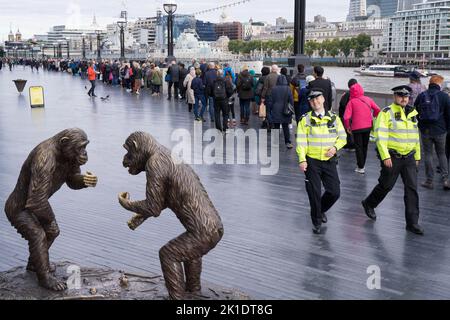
(37,16)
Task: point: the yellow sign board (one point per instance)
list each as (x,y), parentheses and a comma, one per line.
(37,97)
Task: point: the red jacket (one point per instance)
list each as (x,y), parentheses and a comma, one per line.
(92,75)
(360,110)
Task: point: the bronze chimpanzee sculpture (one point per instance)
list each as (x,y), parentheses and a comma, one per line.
(51,164)
(177,187)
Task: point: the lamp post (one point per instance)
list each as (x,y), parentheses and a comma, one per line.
(83,45)
(54,49)
(170,8)
(68,48)
(98,32)
(122,25)
(299,56)
(60,48)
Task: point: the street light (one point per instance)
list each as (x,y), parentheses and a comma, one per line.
(299,56)
(122,25)
(54,49)
(170,8)
(60,48)
(98,32)
(68,47)
(83,46)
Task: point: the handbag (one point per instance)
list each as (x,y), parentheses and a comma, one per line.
(168,78)
(262,111)
(288,107)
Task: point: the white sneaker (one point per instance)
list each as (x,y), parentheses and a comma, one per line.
(361,171)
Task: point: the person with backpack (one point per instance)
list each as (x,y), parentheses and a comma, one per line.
(358,121)
(296,84)
(245,94)
(222,90)
(208,81)
(398,146)
(433,107)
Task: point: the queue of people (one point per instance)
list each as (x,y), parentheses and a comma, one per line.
(417,121)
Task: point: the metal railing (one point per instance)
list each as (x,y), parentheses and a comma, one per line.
(381,99)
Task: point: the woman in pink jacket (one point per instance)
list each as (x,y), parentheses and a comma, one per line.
(358,120)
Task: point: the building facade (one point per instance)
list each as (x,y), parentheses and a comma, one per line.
(206,30)
(423,32)
(381,8)
(233,30)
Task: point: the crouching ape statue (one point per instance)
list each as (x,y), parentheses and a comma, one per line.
(177,187)
(51,164)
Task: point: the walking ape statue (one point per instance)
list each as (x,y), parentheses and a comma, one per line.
(177,187)
(51,164)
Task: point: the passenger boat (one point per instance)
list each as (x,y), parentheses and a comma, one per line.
(389,71)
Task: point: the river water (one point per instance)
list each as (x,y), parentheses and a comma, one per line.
(340,77)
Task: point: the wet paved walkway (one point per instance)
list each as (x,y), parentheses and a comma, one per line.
(268,249)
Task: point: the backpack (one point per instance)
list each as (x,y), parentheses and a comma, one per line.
(259,88)
(247,84)
(429,107)
(220,91)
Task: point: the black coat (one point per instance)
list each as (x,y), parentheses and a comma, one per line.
(325,85)
(280,97)
(343,104)
(442,126)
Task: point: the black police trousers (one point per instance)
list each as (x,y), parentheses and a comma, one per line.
(319,172)
(407,169)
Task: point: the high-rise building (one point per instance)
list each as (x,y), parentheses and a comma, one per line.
(356,10)
(381,8)
(407,4)
(420,32)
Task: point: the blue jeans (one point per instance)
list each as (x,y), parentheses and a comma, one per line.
(245,108)
(199,99)
(211,107)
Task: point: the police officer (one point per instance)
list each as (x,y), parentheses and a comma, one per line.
(398,145)
(320,135)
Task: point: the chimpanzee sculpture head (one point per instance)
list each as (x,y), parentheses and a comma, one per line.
(138,146)
(73,144)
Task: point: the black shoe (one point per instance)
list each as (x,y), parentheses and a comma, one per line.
(324,218)
(415,228)
(317,229)
(94,96)
(370,212)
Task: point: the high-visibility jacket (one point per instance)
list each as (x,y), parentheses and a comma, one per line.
(316,136)
(397,131)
